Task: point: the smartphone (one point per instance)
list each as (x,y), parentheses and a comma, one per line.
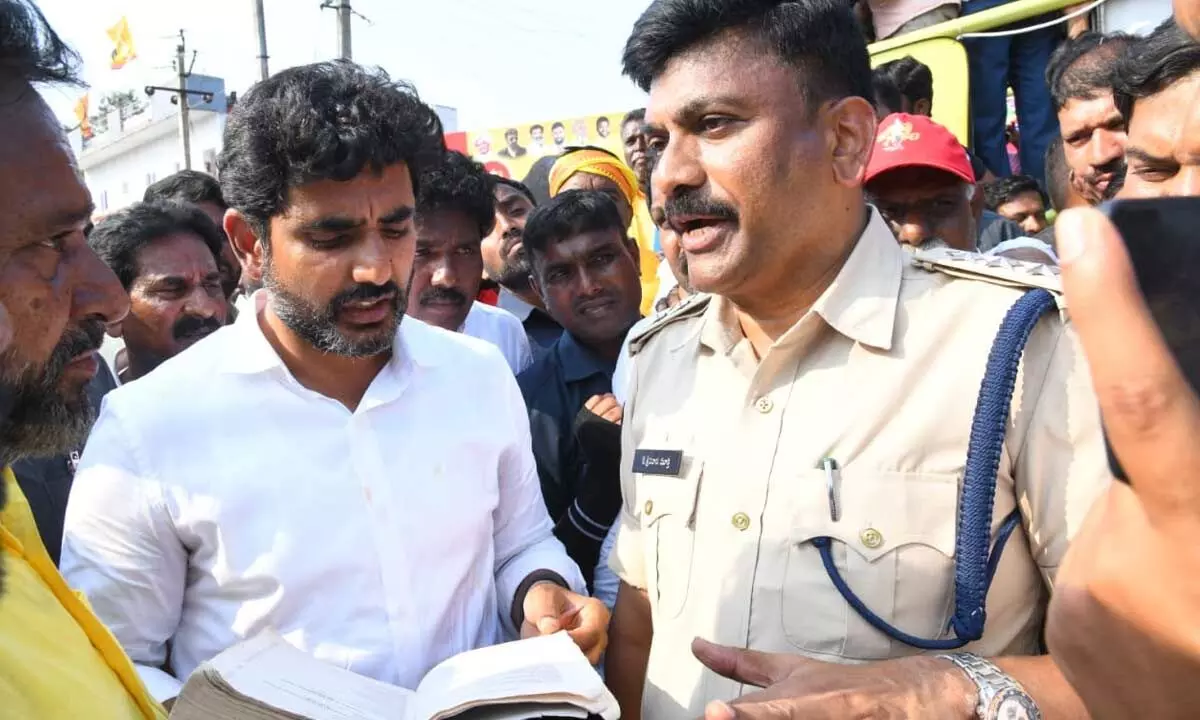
(1162,236)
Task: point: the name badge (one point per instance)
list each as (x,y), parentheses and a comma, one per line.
(658,462)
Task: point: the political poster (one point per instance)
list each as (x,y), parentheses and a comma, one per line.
(512,150)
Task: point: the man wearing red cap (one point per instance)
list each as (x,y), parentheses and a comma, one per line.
(920,179)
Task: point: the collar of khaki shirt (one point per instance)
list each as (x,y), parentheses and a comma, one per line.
(19,538)
(860,304)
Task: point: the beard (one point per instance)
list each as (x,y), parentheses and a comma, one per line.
(318,326)
(46,418)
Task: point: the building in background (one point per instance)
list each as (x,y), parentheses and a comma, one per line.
(130,150)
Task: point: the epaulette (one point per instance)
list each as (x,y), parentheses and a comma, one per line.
(692,306)
(994,269)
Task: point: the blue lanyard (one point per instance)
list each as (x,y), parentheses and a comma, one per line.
(974,564)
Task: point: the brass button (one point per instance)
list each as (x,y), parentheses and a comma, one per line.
(649,506)
(741,521)
(764,405)
(871,537)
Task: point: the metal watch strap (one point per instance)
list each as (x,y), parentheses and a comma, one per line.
(990,681)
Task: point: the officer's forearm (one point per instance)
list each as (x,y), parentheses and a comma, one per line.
(629,634)
(1046,684)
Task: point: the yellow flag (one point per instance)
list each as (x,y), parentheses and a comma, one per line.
(123,49)
(81,113)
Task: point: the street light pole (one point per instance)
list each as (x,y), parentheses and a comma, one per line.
(343,18)
(260,23)
(185,129)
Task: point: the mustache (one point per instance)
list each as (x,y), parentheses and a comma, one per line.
(88,336)
(365,292)
(438,294)
(690,202)
(441,294)
(192,325)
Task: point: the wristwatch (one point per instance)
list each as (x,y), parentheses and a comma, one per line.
(1000,697)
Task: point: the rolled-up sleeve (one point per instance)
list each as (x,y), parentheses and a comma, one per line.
(120,547)
(524,536)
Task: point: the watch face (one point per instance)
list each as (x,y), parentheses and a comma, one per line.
(1013,704)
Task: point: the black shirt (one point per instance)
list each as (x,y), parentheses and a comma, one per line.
(556,387)
(46,482)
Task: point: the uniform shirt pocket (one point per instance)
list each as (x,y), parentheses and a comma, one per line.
(893,545)
(667,512)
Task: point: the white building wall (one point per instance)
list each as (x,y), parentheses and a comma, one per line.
(117,173)
(1134,16)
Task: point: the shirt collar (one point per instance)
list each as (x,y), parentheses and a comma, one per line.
(252,353)
(515,305)
(861,302)
(577,362)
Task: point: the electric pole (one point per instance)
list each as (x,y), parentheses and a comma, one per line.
(343,16)
(185,128)
(260,22)
(181,95)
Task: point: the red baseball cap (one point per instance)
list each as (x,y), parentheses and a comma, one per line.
(904,140)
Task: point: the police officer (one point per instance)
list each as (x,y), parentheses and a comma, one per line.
(795,440)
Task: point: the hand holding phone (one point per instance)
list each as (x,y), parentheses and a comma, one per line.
(1162,239)
(1126,592)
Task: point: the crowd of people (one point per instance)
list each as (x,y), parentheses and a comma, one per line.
(742,412)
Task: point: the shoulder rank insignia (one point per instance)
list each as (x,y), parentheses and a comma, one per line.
(692,306)
(990,268)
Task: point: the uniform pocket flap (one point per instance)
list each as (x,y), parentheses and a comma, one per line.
(880,511)
(660,497)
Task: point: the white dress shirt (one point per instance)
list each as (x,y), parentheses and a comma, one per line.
(502,329)
(218,497)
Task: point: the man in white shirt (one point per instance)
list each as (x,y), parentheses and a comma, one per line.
(456,209)
(368,511)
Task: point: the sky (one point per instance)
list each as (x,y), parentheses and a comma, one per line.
(496,61)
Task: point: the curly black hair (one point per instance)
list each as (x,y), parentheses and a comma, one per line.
(30,50)
(459,184)
(324,121)
(119,238)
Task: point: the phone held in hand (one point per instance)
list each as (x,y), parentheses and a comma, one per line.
(1162,236)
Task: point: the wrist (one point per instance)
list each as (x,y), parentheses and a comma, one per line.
(536,577)
(957,690)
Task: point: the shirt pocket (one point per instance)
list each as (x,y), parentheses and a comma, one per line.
(893,544)
(667,507)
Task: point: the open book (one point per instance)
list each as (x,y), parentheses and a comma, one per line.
(266,678)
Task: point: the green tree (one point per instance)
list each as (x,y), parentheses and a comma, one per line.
(121,104)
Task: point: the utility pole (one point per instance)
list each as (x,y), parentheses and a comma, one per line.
(185,128)
(343,16)
(181,95)
(260,22)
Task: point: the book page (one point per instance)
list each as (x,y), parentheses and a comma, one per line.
(269,670)
(545,669)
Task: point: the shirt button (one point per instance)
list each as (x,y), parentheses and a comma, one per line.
(649,507)
(764,405)
(871,537)
(741,521)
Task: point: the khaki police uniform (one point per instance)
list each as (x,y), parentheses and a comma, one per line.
(882,374)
